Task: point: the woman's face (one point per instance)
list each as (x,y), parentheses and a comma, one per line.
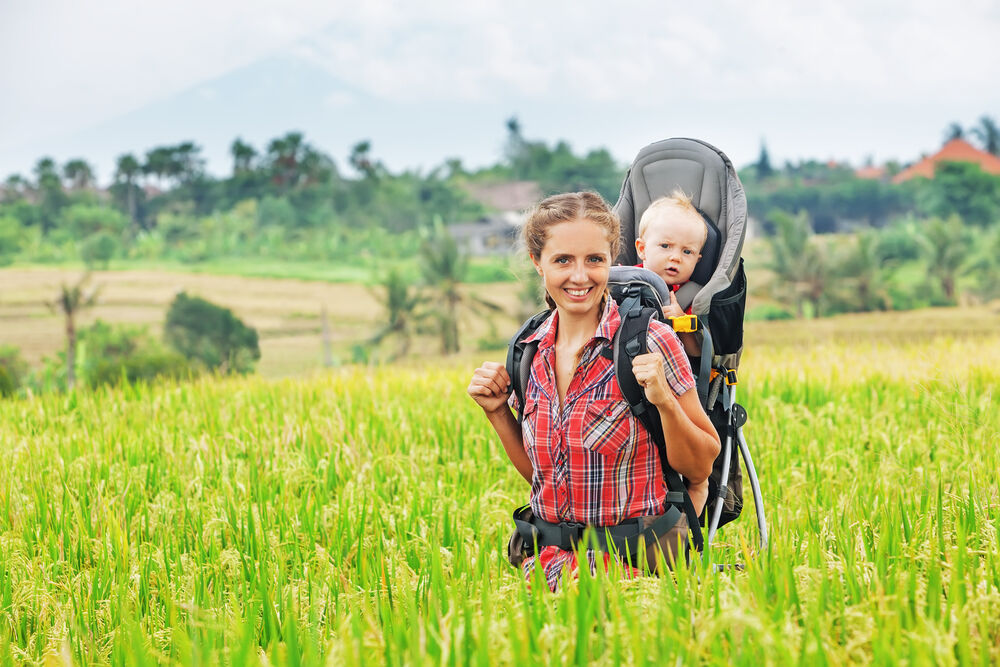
(574,266)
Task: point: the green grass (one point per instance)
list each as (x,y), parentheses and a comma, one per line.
(361,517)
(480,270)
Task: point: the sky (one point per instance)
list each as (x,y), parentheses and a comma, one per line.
(851,80)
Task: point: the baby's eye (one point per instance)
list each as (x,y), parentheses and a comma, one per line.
(687,252)
(665,246)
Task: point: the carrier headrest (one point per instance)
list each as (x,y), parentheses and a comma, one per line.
(625,275)
(709,252)
(697,168)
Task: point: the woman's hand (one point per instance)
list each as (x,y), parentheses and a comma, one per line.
(649,373)
(490,386)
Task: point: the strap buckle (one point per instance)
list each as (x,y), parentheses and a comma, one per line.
(571,533)
(684,323)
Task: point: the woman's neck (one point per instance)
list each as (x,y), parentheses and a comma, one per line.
(576,330)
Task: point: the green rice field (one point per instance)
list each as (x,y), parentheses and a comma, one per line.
(360,516)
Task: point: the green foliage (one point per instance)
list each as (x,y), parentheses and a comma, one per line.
(11,239)
(799,264)
(946,246)
(211,335)
(962,189)
(768,312)
(13,370)
(97,250)
(401,303)
(83,220)
(444,267)
(111,355)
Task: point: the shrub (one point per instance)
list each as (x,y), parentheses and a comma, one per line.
(98,249)
(112,354)
(768,311)
(211,335)
(13,370)
(11,239)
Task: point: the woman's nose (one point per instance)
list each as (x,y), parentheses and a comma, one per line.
(580,272)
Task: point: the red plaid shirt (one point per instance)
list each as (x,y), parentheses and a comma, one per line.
(594,463)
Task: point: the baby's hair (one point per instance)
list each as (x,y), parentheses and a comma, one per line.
(567,208)
(679,201)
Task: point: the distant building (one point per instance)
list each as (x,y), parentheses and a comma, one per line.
(871,173)
(497,233)
(514,196)
(956,150)
(491,235)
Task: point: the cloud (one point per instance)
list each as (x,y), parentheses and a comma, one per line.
(70,64)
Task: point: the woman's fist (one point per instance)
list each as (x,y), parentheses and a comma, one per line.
(490,386)
(649,373)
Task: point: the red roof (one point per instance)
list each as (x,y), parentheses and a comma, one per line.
(956,150)
(871,173)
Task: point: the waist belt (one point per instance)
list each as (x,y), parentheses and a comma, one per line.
(624,537)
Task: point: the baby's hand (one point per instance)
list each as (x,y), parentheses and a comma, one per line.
(674,308)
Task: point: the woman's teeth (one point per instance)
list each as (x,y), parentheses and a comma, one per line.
(577,292)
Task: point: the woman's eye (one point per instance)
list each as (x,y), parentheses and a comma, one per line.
(597,259)
(561,260)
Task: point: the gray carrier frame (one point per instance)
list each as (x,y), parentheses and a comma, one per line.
(708,177)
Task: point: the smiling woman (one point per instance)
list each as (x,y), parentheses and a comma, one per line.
(590,462)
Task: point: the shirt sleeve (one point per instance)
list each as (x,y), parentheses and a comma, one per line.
(662,339)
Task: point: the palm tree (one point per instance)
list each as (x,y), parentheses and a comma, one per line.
(361,160)
(946,246)
(70,301)
(801,272)
(989,134)
(79,174)
(50,191)
(444,266)
(127,170)
(243,156)
(954,131)
(401,311)
(284,156)
(861,270)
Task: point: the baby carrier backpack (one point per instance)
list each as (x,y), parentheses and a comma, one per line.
(716,293)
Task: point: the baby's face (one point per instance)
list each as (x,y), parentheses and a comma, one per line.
(671,247)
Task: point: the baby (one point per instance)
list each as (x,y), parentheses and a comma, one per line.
(671,235)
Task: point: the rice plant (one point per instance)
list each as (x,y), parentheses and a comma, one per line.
(361,517)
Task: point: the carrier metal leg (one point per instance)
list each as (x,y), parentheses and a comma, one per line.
(758,502)
(713,524)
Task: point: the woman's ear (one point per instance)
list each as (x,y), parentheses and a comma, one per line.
(538,267)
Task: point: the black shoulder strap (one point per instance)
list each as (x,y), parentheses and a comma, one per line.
(630,342)
(520,355)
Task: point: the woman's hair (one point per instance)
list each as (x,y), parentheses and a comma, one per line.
(568,207)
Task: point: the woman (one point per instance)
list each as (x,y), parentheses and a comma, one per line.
(589,461)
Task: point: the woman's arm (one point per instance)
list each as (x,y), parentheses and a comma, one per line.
(692,443)
(489,388)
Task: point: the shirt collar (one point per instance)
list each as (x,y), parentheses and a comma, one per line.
(606,328)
